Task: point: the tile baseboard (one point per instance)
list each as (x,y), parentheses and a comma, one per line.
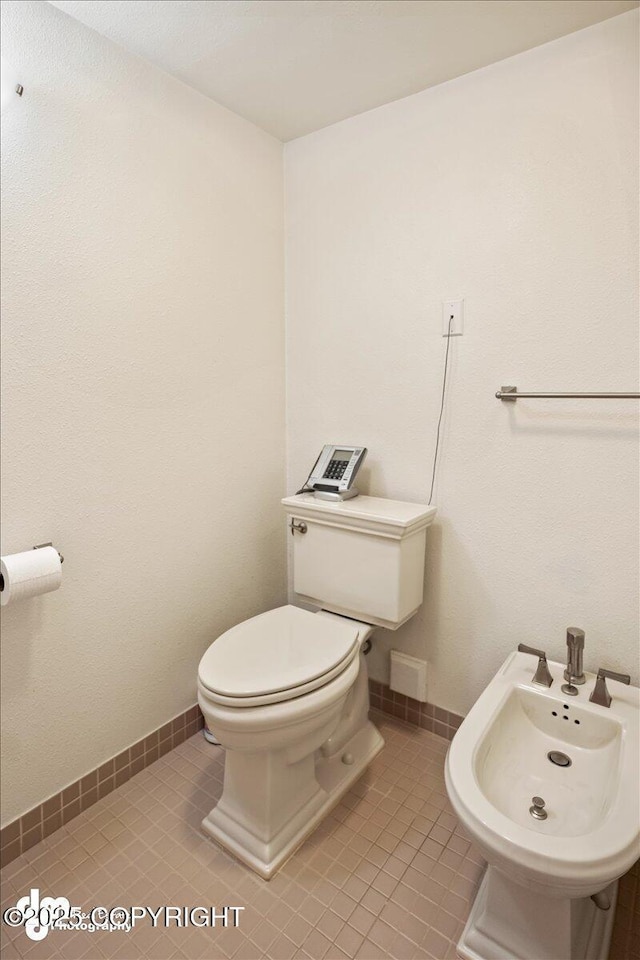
(22,834)
(425,715)
(32,827)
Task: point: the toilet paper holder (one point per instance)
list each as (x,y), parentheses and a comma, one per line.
(49,544)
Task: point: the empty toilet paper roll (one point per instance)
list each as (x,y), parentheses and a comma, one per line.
(29,574)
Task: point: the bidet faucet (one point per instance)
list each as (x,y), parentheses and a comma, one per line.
(575,645)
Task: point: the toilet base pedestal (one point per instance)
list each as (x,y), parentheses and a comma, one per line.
(510,922)
(327,781)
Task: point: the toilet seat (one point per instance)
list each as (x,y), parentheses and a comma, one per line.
(277,656)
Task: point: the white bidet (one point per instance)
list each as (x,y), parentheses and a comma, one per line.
(547,787)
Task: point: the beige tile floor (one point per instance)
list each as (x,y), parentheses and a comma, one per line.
(389,874)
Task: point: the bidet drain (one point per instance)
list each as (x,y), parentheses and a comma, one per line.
(560,759)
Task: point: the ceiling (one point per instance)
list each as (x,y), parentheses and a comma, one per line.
(294,66)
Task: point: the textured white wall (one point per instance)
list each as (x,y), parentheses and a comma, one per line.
(514,187)
(143,392)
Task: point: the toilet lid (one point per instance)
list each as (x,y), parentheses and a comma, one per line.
(286,651)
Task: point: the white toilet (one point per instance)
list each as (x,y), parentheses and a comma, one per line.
(286,692)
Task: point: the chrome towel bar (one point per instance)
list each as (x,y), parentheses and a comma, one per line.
(512,393)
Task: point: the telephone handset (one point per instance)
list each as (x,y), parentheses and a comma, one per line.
(334,471)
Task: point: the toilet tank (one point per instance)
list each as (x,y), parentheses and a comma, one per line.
(362,558)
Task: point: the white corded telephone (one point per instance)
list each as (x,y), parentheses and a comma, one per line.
(334,471)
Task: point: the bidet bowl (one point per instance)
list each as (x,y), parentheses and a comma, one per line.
(499,760)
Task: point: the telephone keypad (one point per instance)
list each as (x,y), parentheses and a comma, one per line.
(335,470)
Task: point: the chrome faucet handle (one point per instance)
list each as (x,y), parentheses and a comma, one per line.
(600,694)
(542,676)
